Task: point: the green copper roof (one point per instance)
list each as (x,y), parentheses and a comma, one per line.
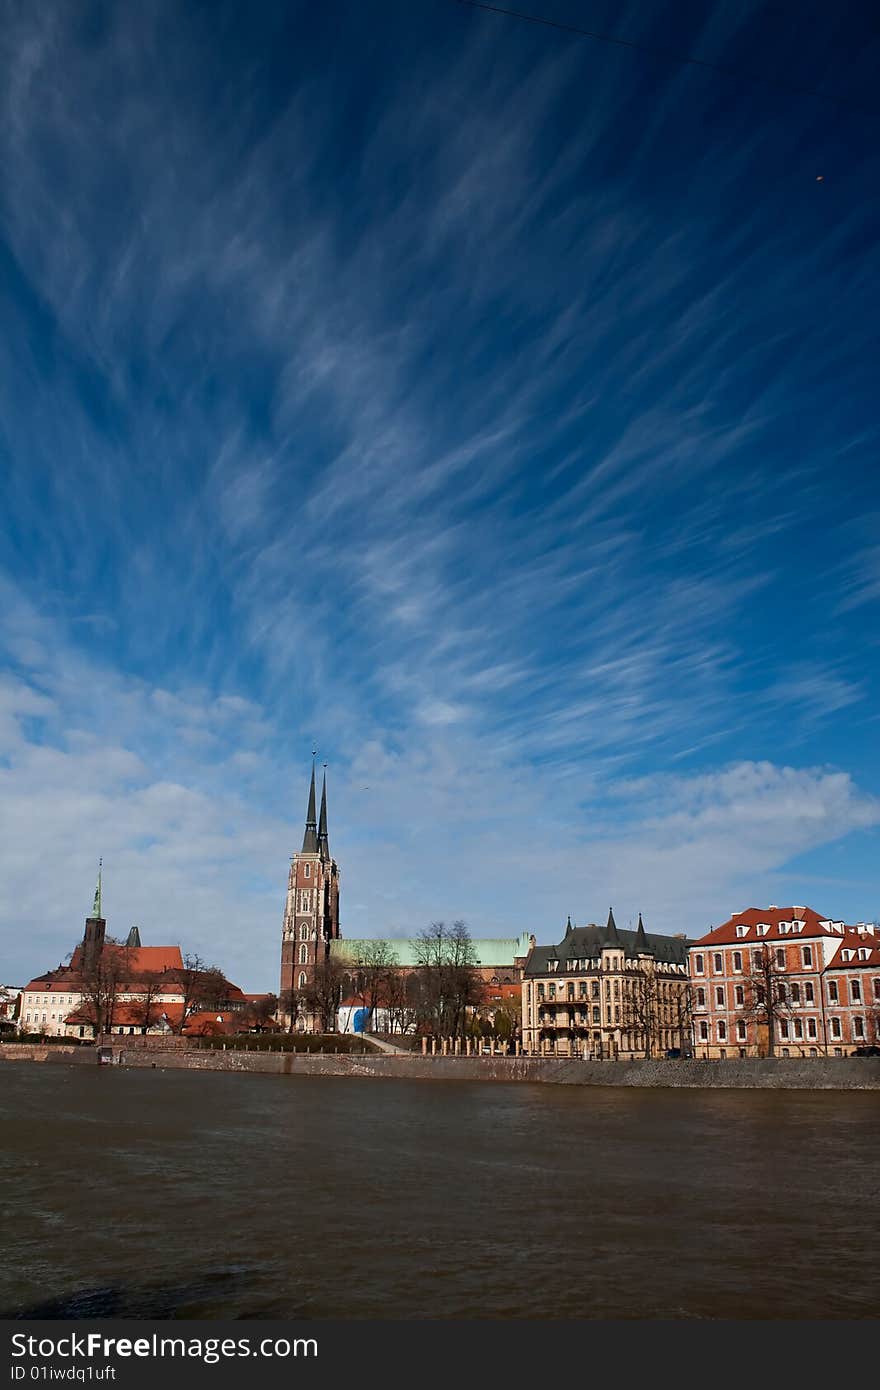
(489,952)
(96,905)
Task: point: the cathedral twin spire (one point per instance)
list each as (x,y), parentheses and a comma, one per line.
(315,839)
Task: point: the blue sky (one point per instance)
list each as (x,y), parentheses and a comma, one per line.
(491,406)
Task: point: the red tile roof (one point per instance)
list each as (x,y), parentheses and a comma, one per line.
(752,917)
(864,946)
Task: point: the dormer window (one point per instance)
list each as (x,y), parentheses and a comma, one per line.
(742,929)
(552,964)
(763,928)
(847,954)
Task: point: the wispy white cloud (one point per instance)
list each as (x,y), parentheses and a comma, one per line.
(473,458)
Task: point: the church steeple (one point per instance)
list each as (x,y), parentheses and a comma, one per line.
(323,840)
(93,936)
(310,838)
(96,905)
(311,915)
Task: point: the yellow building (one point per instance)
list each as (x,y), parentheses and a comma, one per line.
(607,993)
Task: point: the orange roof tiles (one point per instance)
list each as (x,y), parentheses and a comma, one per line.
(753,917)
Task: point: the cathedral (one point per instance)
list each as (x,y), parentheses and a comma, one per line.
(311,911)
(310,930)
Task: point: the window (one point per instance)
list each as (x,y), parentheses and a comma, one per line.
(798,1028)
(795,992)
(742,929)
(811,1028)
(835,1027)
(540,991)
(303,954)
(718,963)
(783,1028)
(704,1030)
(302,979)
(699,964)
(304,932)
(722,1031)
(807,955)
(596,1015)
(740,1031)
(855,991)
(738,961)
(877,989)
(832,992)
(763,928)
(582,989)
(616,1013)
(780,958)
(858,1026)
(808,991)
(570,990)
(757,960)
(700,997)
(719,996)
(739,996)
(307,871)
(594,991)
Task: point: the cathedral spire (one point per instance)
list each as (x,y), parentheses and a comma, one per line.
(323,840)
(611,938)
(96,905)
(310,838)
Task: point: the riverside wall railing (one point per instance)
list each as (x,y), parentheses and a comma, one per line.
(783,1073)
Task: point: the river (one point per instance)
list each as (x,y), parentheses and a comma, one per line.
(195,1194)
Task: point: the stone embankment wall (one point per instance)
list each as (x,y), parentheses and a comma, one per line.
(786,1073)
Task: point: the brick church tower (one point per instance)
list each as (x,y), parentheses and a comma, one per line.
(311,912)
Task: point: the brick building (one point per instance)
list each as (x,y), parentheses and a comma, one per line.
(785,981)
(311,909)
(123,987)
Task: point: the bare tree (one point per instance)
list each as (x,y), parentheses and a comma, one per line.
(323,995)
(260,1011)
(201,986)
(766,990)
(102,982)
(640,1008)
(373,965)
(401,996)
(449,982)
(681,1012)
(149,985)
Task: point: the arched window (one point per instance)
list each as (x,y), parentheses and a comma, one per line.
(303,932)
(303,954)
(302,979)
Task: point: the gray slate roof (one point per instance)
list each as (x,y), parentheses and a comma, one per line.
(584,943)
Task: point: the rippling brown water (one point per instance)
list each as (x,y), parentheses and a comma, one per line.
(182,1194)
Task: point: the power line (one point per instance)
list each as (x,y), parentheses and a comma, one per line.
(667,54)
